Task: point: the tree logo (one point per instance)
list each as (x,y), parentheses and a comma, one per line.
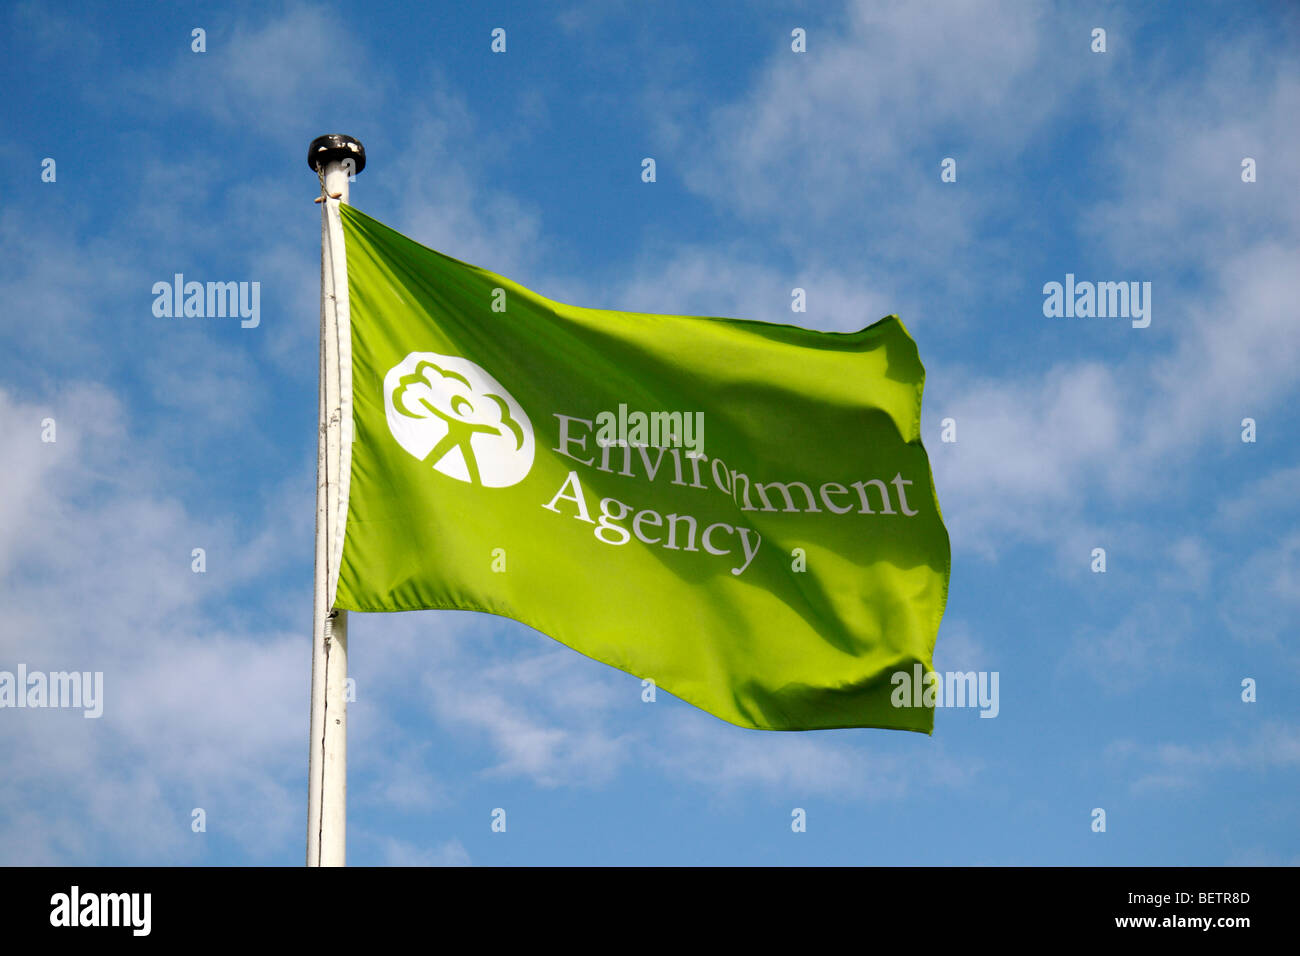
(451,414)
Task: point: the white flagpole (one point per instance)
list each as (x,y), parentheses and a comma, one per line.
(334,158)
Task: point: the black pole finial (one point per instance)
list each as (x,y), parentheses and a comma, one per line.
(333,147)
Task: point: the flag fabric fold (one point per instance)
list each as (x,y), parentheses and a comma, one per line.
(742,512)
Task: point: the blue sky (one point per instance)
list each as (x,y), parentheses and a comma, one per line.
(775,170)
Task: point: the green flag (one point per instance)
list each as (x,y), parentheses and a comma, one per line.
(740,511)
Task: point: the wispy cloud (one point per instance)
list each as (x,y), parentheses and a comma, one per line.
(1273,746)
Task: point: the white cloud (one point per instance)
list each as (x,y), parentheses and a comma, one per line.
(846,118)
(95,575)
(1190,565)
(405,853)
(1147,644)
(1265,499)
(960,650)
(709,281)
(1260,601)
(1275,745)
(441,198)
(270,76)
(727,760)
(543,717)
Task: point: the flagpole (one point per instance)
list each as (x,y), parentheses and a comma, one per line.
(335,158)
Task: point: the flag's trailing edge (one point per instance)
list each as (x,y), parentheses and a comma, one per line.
(769,548)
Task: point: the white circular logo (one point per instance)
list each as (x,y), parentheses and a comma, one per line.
(448,412)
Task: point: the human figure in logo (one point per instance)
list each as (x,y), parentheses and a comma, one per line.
(460,429)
